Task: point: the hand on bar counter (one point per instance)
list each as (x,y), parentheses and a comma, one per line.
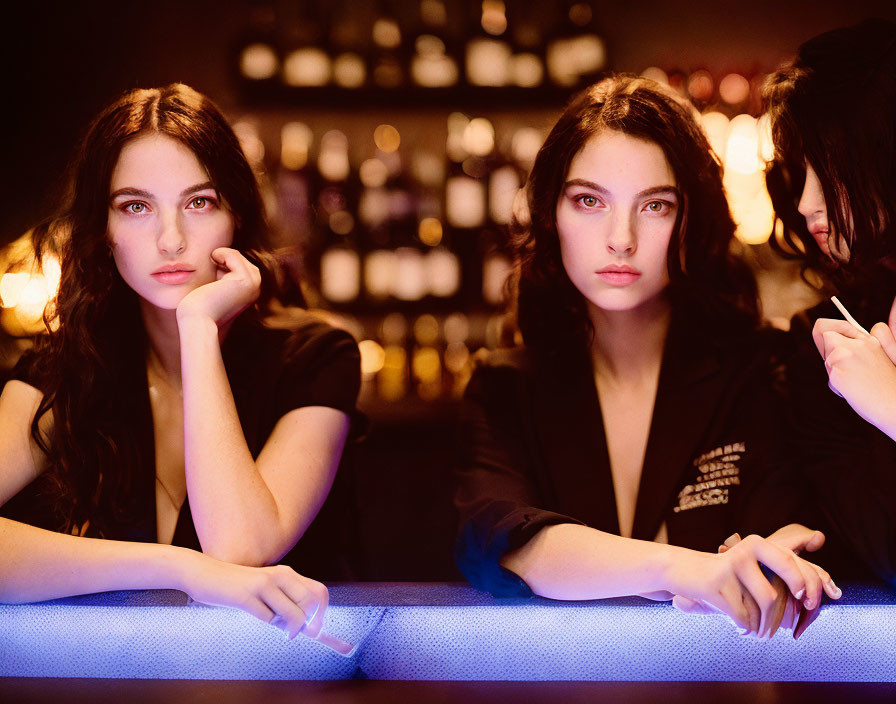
(794,611)
(276,595)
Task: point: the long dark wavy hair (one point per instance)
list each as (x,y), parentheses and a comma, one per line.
(93,356)
(834,106)
(551,312)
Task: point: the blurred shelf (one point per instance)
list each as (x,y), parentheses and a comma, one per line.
(272,93)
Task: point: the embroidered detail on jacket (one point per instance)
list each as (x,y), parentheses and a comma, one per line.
(716,471)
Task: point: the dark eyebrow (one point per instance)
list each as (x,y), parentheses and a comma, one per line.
(198,187)
(130,192)
(140,193)
(654,190)
(585,184)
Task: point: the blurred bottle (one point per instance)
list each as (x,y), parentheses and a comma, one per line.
(527,68)
(426,364)
(576,54)
(340,263)
(259,59)
(458,362)
(387,61)
(433,64)
(392,380)
(466,194)
(348,43)
(296,183)
(488,54)
(306,58)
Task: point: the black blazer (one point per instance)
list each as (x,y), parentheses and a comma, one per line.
(847,465)
(533,451)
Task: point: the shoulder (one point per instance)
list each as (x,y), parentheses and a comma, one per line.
(31,369)
(302,358)
(297,337)
(506,363)
(501,376)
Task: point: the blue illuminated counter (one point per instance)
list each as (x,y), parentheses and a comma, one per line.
(408,631)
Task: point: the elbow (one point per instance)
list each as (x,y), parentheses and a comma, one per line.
(245,553)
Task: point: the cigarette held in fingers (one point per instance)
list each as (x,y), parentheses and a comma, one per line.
(852,321)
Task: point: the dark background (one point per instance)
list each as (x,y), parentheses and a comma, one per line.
(64,61)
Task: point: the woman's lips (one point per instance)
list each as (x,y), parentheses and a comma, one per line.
(618,277)
(821,237)
(177,276)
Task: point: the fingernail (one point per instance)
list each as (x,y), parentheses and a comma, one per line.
(800,593)
(743,631)
(809,604)
(834,590)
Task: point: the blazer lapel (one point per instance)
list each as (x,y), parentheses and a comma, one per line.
(688,389)
(569,428)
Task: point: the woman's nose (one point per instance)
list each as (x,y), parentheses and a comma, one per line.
(812,198)
(622,239)
(171,240)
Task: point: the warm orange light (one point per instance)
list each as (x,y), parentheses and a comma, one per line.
(386,138)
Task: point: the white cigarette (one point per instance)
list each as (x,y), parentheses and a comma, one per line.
(852,321)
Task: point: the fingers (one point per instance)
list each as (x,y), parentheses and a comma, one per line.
(780,561)
(733,604)
(233,260)
(730,542)
(759,595)
(816,542)
(831,341)
(825,326)
(257,608)
(311,596)
(884,335)
(796,538)
(831,589)
(288,612)
(775,617)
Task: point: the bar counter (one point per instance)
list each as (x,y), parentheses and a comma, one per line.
(426,631)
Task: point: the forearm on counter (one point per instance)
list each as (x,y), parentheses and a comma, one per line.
(571,562)
(36,564)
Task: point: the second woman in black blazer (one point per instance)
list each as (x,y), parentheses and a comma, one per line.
(636,429)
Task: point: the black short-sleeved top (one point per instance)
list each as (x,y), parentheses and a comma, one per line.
(847,465)
(271,372)
(534,453)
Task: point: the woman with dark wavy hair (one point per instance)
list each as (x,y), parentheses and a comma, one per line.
(635,430)
(833,115)
(159,408)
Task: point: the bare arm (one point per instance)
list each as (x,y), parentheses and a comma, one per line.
(246,511)
(36,564)
(569,561)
